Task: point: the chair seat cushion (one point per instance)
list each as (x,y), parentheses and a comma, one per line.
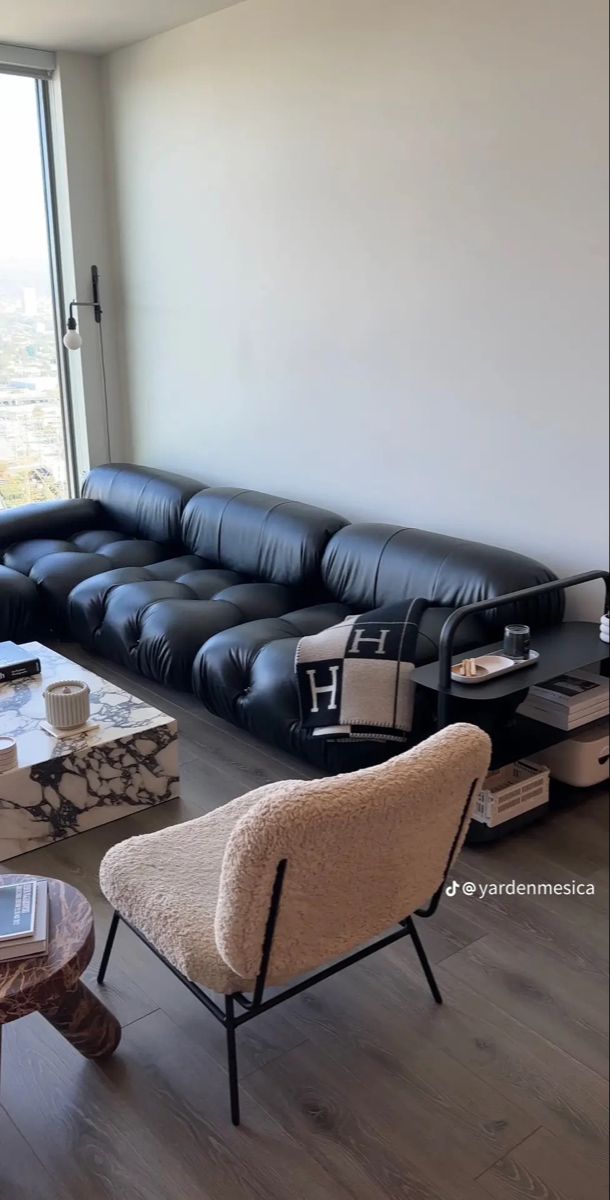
(166,884)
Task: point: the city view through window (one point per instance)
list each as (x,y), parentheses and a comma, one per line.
(32,441)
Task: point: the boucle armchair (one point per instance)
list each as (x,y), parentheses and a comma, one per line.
(295,876)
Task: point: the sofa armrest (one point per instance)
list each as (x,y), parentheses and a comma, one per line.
(51,518)
(227,675)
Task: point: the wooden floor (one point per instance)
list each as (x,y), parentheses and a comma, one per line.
(360,1089)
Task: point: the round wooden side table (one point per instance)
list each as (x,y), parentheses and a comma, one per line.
(52,985)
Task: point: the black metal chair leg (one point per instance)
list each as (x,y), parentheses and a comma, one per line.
(423,958)
(232,1059)
(114,924)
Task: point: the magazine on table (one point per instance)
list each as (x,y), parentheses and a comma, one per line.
(578,689)
(20,945)
(17,910)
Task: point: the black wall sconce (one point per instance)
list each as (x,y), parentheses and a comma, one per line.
(72,338)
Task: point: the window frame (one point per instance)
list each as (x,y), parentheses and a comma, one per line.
(39,66)
(55,272)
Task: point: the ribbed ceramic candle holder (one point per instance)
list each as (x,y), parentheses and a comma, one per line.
(8,754)
(67,704)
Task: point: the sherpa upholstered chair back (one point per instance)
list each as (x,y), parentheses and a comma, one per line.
(363,852)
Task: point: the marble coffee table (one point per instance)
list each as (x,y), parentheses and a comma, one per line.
(64,787)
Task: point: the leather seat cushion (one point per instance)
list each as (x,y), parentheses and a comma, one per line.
(114,548)
(247,676)
(58,567)
(155,619)
(23,556)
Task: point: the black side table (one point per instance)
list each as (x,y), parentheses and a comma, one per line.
(567,647)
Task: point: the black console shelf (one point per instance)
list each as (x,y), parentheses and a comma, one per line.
(567,647)
(564,648)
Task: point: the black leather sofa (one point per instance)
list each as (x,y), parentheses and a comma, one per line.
(210,589)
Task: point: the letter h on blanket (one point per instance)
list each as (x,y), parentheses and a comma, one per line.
(369,661)
(317,690)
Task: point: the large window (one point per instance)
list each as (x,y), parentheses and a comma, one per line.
(33,437)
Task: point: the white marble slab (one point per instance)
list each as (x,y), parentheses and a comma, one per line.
(64,787)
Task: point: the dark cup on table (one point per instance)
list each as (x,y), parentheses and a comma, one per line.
(517,641)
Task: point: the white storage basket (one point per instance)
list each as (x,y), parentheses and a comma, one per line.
(511,791)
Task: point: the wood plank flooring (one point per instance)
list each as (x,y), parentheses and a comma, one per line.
(360,1089)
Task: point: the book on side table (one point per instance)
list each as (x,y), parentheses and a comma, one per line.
(569,701)
(24,920)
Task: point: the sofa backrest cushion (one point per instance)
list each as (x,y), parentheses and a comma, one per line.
(366,566)
(264,537)
(141,501)
(50,519)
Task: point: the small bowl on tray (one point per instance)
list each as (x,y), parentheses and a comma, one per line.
(490,666)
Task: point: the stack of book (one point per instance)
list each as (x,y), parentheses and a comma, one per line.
(569,701)
(24,920)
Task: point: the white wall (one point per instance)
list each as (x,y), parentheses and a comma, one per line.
(363,258)
(84,228)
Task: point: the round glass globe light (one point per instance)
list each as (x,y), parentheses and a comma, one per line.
(73,340)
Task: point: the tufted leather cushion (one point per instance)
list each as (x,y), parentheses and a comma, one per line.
(19,608)
(141,501)
(367,566)
(247,675)
(25,555)
(56,574)
(264,537)
(155,619)
(110,548)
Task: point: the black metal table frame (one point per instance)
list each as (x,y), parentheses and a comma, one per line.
(452,624)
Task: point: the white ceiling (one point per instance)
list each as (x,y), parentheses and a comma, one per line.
(96,25)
